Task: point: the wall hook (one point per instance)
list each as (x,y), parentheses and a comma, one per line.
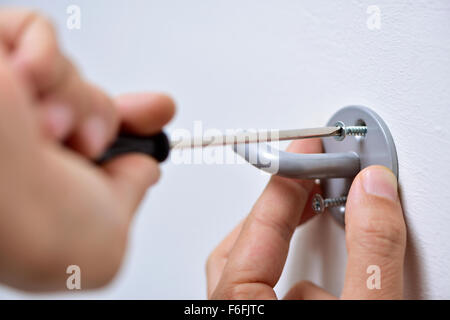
(341,161)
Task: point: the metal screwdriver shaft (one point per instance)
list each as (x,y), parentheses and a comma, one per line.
(255,137)
(339,132)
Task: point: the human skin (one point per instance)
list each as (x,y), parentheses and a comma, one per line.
(248,263)
(57,208)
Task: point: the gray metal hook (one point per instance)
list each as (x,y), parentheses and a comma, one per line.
(300,166)
(341,160)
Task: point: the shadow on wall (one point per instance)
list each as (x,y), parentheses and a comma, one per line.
(414,281)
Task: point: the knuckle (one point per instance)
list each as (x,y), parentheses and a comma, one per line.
(103,105)
(26,15)
(46,59)
(281,227)
(45,21)
(35,18)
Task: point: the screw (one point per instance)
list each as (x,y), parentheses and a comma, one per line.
(319,204)
(358,131)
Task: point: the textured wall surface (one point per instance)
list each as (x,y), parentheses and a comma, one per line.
(272,64)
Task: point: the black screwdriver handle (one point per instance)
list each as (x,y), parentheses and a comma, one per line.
(156,146)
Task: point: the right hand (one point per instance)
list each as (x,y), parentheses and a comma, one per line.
(56,207)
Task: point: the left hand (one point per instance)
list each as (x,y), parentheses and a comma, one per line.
(58,208)
(249,262)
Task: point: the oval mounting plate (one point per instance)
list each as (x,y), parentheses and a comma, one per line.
(376,148)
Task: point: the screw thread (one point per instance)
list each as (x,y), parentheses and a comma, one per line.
(335,202)
(356,131)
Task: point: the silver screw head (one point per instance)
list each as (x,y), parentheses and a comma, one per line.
(318,204)
(357,131)
(343,134)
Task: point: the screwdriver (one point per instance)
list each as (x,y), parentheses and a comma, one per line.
(159,146)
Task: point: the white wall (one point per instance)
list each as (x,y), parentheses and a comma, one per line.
(272,64)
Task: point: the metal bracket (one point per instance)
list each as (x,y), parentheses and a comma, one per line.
(376,148)
(341,160)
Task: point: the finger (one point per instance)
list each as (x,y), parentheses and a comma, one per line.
(307,146)
(145,113)
(80,114)
(33,47)
(71,108)
(306,290)
(11,23)
(218,258)
(375,236)
(258,257)
(14,104)
(131,176)
(97,121)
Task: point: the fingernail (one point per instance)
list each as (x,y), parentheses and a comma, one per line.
(59,120)
(94,133)
(381,182)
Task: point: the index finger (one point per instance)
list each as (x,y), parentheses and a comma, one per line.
(255,263)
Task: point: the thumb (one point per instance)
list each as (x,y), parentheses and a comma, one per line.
(131,176)
(375,236)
